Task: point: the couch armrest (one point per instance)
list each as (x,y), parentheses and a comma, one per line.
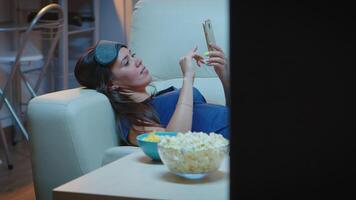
(69,133)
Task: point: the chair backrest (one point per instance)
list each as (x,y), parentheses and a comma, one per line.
(164,30)
(69,133)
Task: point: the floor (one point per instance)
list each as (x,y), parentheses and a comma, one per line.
(17,184)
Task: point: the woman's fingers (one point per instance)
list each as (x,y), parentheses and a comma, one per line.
(215,64)
(216,60)
(216,57)
(216,54)
(215,47)
(197,56)
(197,61)
(192,52)
(200,61)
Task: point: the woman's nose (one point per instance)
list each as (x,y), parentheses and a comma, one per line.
(138,62)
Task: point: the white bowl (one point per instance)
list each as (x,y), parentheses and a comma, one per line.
(192,164)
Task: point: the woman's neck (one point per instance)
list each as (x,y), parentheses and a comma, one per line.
(137,96)
(140,96)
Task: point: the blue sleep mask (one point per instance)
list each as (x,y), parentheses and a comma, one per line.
(106,52)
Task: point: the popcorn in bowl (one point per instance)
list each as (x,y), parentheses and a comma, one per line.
(193,154)
(152,137)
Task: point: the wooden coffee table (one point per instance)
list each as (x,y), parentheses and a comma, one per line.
(137,177)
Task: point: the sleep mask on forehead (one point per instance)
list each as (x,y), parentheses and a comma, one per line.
(106,52)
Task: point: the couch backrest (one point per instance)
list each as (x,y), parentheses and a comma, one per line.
(164,30)
(69,133)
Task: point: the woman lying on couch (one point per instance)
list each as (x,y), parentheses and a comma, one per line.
(111,69)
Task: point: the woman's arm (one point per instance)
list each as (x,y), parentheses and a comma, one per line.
(222,68)
(182,117)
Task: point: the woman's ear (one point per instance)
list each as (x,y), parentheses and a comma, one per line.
(113,85)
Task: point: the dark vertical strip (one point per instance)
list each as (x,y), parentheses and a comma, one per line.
(292,88)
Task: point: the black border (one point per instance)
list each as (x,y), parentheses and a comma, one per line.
(292,90)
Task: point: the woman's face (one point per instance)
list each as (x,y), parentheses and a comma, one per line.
(129,72)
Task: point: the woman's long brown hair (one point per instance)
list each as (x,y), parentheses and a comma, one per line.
(137,113)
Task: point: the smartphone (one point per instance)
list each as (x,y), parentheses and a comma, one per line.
(209,33)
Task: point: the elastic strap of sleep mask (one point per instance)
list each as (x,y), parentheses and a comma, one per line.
(106,52)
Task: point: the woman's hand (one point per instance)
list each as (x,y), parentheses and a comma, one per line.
(185,62)
(218,60)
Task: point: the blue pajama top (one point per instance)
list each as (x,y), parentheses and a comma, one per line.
(206,117)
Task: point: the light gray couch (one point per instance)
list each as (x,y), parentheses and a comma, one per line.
(73,132)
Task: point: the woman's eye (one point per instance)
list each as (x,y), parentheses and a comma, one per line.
(128,60)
